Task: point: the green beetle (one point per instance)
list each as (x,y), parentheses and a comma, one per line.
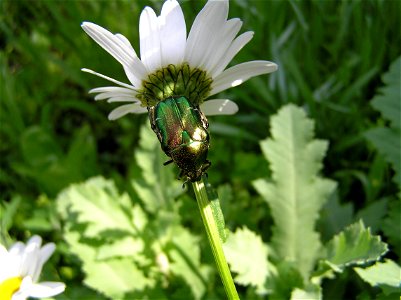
(181,129)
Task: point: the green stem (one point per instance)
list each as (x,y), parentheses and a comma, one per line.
(214,237)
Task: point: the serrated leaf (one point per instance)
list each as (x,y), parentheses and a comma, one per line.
(354,246)
(386,275)
(98,205)
(387,101)
(157,185)
(247,255)
(296,192)
(114,277)
(184,252)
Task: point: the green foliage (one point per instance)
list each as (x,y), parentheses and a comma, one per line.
(387,101)
(247,255)
(53,134)
(353,246)
(296,192)
(98,222)
(385,275)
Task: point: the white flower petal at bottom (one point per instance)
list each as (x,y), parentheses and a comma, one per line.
(122,110)
(219,107)
(38,290)
(240,73)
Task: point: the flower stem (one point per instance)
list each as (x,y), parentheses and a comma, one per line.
(210,222)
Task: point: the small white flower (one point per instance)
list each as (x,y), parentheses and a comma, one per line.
(20,268)
(172,64)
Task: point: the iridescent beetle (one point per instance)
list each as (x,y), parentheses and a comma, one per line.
(181,129)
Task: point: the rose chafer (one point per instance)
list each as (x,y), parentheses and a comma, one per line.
(181,128)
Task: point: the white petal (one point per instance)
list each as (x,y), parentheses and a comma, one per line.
(35,242)
(122,110)
(17,248)
(123,99)
(108,78)
(240,73)
(173,33)
(219,107)
(45,289)
(149,40)
(114,94)
(209,21)
(234,48)
(231,29)
(114,89)
(119,47)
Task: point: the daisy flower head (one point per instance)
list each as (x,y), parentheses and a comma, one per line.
(174,64)
(20,267)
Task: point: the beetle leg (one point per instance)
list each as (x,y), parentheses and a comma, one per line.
(168,162)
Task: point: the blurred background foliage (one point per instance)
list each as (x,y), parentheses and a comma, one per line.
(331,57)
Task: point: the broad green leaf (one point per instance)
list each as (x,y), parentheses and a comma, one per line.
(386,275)
(113,277)
(247,255)
(156,185)
(354,246)
(387,100)
(102,230)
(98,205)
(184,251)
(125,247)
(296,192)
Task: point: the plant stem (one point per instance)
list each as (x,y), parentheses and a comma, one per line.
(209,221)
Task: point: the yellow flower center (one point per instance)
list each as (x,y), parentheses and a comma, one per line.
(173,81)
(8,287)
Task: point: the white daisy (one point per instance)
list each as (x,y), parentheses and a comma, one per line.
(20,268)
(172,64)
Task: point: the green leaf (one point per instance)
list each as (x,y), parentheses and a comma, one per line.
(102,230)
(373,214)
(387,101)
(184,252)
(247,255)
(113,277)
(310,292)
(296,192)
(156,185)
(97,204)
(8,211)
(387,142)
(386,275)
(391,226)
(48,166)
(354,246)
